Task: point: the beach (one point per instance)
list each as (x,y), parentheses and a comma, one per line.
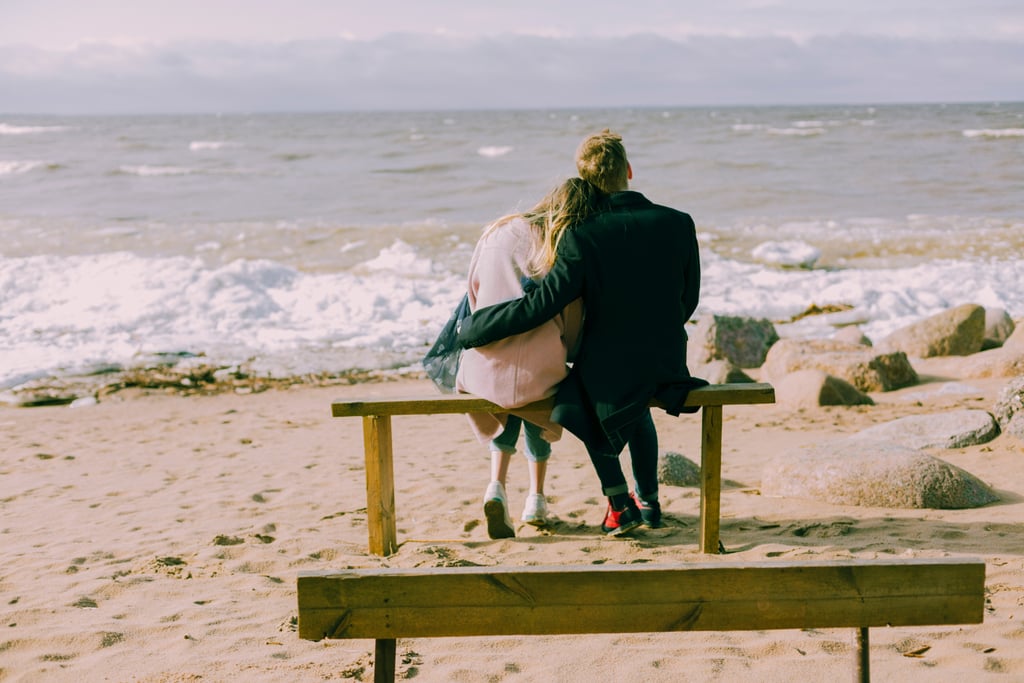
(157,537)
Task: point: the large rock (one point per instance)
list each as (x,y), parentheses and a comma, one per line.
(675,469)
(812,388)
(852,334)
(741,341)
(873,474)
(958,331)
(954,429)
(1009,402)
(1015,427)
(865,368)
(998,327)
(719,372)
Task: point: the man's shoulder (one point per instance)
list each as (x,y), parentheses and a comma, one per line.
(631,200)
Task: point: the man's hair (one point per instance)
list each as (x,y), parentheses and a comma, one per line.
(601,160)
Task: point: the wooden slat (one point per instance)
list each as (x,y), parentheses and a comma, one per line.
(713,395)
(380,485)
(472,601)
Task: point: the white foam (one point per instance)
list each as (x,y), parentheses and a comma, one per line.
(494,151)
(206,145)
(17,167)
(794,254)
(145,170)
(8,129)
(994,133)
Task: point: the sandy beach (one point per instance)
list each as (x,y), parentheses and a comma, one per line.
(156,537)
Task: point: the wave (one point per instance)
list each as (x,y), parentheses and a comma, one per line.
(994,133)
(204,145)
(145,170)
(494,151)
(8,129)
(24,166)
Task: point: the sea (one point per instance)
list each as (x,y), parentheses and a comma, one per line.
(334,242)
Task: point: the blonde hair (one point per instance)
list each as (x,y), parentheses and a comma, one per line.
(562,208)
(601,159)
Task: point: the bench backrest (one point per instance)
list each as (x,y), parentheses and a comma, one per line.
(720,596)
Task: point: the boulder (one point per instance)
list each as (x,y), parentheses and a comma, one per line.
(873,474)
(866,369)
(958,331)
(719,372)
(998,327)
(954,429)
(1015,427)
(675,469)
(812,388)
(1009,402)
(851,334)
(741,341)
(1005,361)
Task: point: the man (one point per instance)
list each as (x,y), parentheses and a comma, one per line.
(637,267)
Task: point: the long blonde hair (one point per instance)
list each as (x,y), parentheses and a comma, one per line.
(564,207)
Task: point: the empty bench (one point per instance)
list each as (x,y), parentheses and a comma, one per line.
(387,604)
(380,477)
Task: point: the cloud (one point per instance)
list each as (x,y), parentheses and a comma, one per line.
(422,71)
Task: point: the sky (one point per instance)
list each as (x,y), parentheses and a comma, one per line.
(170,56)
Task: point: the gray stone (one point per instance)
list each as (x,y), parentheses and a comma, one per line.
(852,334)
(812,388)
(1015,427)
(866,369)
(675,469)
(958,331)
(998,327)
(954,429)
(719,372)
(873,474)
(1009,402)
(741,341)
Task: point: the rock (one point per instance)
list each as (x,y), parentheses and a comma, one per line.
(873,474)
(1009,402)
(719,372)
(675,469)
(998,327)
(812,388)
(1015,427)
(851,334)
(866,369)
(956,332)
(739,340)
(955,429)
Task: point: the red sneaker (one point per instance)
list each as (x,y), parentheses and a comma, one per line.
(618,522)
(650,513)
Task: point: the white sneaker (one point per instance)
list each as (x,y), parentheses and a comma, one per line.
(535,512)
(499,524)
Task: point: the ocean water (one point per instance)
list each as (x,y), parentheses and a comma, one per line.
(328,242)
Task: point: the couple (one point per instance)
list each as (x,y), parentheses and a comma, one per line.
(597,276)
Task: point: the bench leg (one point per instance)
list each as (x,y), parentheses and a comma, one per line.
(710,477)
(384,654)
(863,658)
(380,484)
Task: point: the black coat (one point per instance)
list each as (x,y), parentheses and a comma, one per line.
(637,267)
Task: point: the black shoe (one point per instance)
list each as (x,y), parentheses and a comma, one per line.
(650,513)
(618,522)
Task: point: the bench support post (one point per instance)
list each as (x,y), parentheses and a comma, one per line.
(384,657)
(863,671)
(380,485)
(711,477)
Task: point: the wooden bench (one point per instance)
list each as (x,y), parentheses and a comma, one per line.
(380,477)
(387,604)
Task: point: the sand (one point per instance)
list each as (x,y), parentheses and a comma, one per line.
(157,537)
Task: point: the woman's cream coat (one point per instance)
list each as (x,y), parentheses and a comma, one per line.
(524,368)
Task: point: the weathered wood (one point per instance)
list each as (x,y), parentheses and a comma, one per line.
(380,485)
(384,652)
(716,394)
(477,601)
(862,672)
(710,478)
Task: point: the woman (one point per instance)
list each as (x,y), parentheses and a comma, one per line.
(513,251)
